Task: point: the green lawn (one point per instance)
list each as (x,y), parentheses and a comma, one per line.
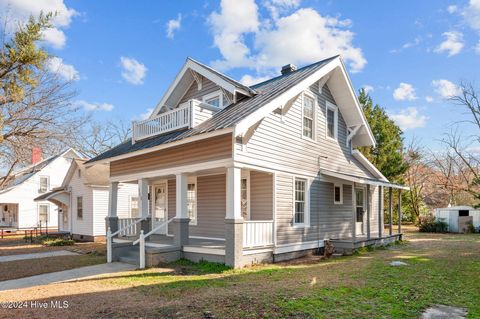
(442,269)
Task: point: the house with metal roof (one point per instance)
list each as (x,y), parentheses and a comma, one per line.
(18,208)
(242,175)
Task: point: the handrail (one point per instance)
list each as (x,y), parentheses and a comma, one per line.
(126,227)
(153,230)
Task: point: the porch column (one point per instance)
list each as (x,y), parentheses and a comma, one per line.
(390,209)
(112,220)
(180,223)
(399,211)
(233,220)
(380,211)
(368,211)
(143,186)
(354,212)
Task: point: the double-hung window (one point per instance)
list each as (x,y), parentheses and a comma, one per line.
(332,120)
(134,207)
(301,203)
(43,210)
(308,117)
(192,201)
(44,181)
(79,207)
(337,194)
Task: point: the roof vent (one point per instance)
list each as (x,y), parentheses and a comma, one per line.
(288,68)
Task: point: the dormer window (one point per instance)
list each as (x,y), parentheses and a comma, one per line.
(332,121)
(214,99)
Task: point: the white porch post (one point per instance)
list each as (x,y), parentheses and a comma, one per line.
(380,211)
(181,221)
(233,219)
(112,219)
(143,197)
(368,211)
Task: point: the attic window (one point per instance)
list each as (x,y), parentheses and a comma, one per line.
(215,99)
(332,120)
(79,172)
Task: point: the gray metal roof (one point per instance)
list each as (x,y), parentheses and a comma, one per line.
(228,117)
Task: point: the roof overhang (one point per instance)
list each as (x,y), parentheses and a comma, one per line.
(368,165)
(184,79)
(57,196)
(342,91)
(361,180)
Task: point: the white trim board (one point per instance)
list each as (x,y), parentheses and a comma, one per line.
(204,250)
(286,248)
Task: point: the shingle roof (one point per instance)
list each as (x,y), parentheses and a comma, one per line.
(228,117)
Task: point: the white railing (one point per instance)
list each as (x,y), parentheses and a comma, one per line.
(169,121)
(125,228)
(257,233)
(129,227)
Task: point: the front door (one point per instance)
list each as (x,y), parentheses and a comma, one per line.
(160,207)
(360,209)
(64,216)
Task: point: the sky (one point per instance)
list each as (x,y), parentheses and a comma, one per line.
(409,55)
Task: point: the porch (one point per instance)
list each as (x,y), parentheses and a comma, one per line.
(8,215)
(218,215)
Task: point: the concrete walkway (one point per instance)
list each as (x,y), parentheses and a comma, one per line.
(54,253)
(66,275)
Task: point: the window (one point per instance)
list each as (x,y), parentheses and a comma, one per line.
(308,116)
(43,213)
(79,207)
(44,181)
(215,99)
(337,194)
(301,200)
(79,172)
(245,196)
(134,207)
(332,120)
(192,201)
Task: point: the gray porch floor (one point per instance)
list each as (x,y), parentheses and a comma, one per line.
(192,242)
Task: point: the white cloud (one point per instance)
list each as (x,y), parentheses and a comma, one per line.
(133,72)
(368,88)
(453,43)
(404,92)
(477,48)
(173,25)
(472,14)
(66,71)
(429,99)
(87,106)
(304,36)
(19,11)
(146,115)
(251,80)
(277,7)
(452,8)
(409,118)
(445,88)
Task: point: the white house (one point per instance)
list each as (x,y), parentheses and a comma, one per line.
(18,209)
(83,200)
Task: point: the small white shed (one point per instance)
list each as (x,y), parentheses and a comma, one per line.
(454,216)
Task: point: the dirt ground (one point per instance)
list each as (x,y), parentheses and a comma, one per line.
(359,286)
(17,245)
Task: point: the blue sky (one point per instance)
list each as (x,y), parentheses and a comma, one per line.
(123,55)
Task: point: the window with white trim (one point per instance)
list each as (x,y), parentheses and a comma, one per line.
(79,207)
(300,217)
(192,200)
(134,212)
(245,194)
(308,117)
(43,210)
(215,99)
(332,121)
(338,193)
(44,184)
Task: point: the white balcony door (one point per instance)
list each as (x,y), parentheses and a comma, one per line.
(160,213)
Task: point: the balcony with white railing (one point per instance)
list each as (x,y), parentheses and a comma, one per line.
(186,115)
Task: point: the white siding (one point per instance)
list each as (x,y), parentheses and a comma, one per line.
(84,225)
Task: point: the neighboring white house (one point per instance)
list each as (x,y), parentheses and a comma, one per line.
(18,209)
(83,200)
(457,216)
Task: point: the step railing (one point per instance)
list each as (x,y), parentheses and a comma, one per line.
(129,226)
(125,228)
(142,237)
(257,233)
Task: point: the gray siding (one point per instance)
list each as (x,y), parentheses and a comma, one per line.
(261,196)
(211,205)
(193,92)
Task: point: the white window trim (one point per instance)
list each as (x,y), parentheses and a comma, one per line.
(334,108)
(341,193)
(246,175)
(130,205)
(209,96)
(40,183)
(76,206)
(306,217)
(314,120)
(48,211)
(193,180)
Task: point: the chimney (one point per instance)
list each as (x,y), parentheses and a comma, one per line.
(36,155)
(288,68)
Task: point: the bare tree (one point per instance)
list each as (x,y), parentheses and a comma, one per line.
(97,137)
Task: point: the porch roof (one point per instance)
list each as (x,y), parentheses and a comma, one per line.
(56,195)
(361,179)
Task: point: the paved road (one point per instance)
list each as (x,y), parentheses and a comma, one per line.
(65,275)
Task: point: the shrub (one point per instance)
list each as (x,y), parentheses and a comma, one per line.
(429,224)
(57,242)
(470,228)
